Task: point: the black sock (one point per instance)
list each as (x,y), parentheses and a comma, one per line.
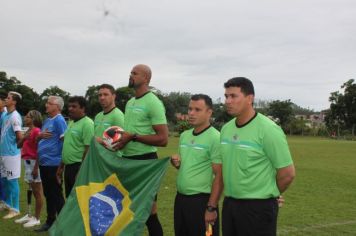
(29,196)
(154,226)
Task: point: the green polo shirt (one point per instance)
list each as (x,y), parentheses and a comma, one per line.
(140,115)
(198,152)
(77,135)
(102,121)
(251,155)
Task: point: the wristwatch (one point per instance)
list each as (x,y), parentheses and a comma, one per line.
(211,208)
(134,138)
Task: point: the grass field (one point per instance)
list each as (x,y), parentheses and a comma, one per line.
(321,200)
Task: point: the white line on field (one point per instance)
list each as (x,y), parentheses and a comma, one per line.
(317,226)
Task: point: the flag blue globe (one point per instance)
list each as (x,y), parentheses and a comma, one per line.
(104,207)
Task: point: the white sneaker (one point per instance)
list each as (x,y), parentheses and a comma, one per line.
(32,222)
(23,219)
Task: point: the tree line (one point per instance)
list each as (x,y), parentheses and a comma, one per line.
(340,118)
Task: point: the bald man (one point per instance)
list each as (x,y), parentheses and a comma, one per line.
(145,129)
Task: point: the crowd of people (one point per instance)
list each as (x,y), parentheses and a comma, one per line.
(249,159)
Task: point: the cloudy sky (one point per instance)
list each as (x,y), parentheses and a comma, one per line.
(291,49)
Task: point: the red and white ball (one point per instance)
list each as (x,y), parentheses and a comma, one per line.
(112,134)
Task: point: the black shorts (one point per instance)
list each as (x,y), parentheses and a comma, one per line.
(146,156)
(189,215)
(249,217)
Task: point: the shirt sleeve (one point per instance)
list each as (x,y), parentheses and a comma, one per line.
(276,147)
(16,123)
(215,153)
(61,126)
(119,119)
(158,113)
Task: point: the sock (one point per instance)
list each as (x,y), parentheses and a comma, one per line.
(29,196)
(14,193)
(8,199)
(154,226)
(3,189)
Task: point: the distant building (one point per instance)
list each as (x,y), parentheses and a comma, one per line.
(313,120)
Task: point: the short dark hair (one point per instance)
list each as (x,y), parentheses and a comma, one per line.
(108,86)
(243,83)
(80,100)
(204,97)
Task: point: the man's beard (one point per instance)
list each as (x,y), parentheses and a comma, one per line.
(131,84)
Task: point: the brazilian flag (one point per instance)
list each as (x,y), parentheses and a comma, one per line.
(111,196)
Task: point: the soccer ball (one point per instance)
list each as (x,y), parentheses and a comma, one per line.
(110,135)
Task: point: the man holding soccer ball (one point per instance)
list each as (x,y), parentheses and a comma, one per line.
(110,116)
(145,129)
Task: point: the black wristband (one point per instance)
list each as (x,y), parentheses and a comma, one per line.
(211,208)
(134,138)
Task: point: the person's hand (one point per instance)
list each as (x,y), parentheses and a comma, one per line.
(100,141)
(27,134)
(45,134)
(35,173)
(280,201)
(59,174)
(121,143)
(209,230)
(210,218)
(175,161)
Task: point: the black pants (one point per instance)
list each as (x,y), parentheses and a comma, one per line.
(189,215)
(255,217)
(70,174)
(52,191)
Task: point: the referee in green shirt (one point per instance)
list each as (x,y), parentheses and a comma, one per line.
(257,165)
(145,129)
(199,180)
(109,116)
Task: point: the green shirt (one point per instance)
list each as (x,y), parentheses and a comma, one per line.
(251,155)
(140,115)
(198,152)
(102,121)
(77,135)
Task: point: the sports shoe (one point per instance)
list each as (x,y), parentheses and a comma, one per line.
(45,227)
(11,214)
(32,222)
(23,219)
(3,207)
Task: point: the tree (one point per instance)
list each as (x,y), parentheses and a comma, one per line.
(123,95)
(93,106)
(342,112)
(220,116)
(282,110)
(297,126)
(30,99)
(176,102)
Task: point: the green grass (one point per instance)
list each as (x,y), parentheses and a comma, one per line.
(321,201)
